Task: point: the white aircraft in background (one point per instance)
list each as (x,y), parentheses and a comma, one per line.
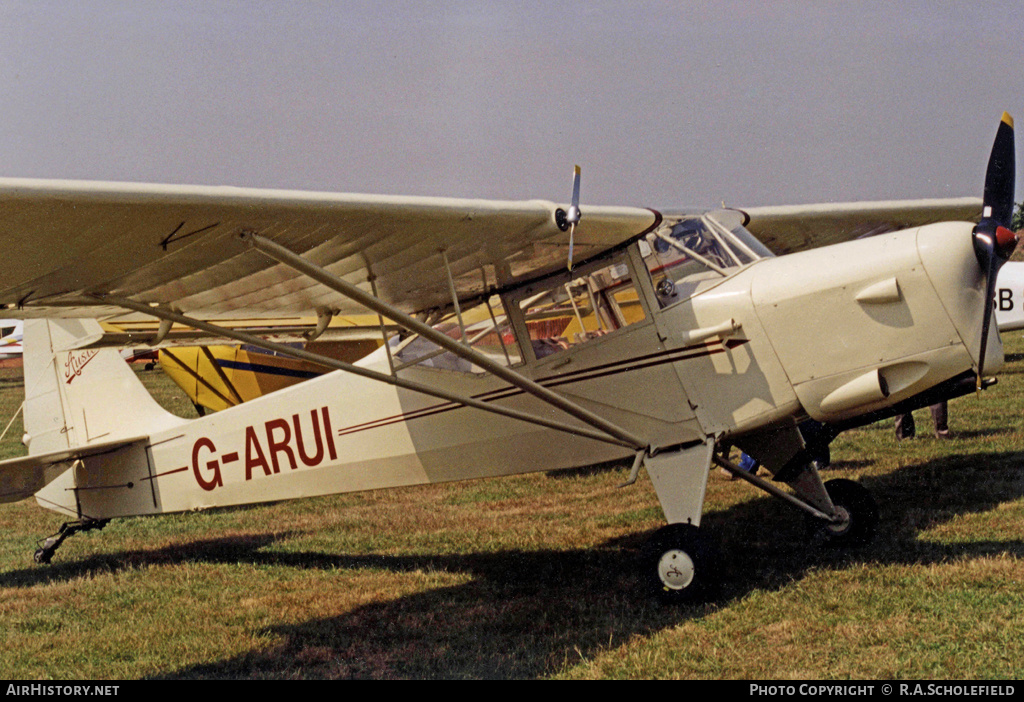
(668,333)
(1010,297)
(10,338)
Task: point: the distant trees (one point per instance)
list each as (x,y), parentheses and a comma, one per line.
(1016,224)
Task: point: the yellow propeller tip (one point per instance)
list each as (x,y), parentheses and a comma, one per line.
(1008,119)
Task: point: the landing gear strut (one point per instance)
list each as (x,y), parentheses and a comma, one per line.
(44,554)
(842,511)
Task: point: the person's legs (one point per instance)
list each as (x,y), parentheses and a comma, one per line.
(905,426)
(940,416)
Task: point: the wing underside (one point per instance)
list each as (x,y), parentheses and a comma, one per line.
(64,241)
(790,228)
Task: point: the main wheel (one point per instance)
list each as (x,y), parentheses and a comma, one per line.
(859,512)
(678,564)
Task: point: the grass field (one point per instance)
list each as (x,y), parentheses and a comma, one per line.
(534,576)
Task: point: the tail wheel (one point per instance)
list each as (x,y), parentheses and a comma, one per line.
(678,564)
(859,514)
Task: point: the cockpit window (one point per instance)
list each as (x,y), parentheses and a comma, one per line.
(593,301)
(483,327)
(689,252)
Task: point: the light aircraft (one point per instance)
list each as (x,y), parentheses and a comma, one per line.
(220,376)
(10,338)
(688,333)
(1010,297)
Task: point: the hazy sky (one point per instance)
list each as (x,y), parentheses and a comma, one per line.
(661,103)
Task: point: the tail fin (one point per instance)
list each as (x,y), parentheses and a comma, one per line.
(77,397)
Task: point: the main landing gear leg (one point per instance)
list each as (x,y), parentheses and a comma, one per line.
(44,554)
(678,563)
(840,511)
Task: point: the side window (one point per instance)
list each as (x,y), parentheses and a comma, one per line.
(566,313)
(484,328)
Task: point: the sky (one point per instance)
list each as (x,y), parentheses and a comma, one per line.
(663,104)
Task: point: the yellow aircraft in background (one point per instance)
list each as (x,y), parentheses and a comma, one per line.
(222,376)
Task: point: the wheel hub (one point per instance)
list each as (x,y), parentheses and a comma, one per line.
(841,522)
(676,569)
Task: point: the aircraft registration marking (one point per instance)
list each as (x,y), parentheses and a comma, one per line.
(1005,300)
(280,443)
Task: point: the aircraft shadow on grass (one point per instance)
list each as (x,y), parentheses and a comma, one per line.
(528,614)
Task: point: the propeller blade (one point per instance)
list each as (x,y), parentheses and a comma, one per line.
(990,294)
(993,242)
(575,204)
(572,231)
(572,217)
(1000,176)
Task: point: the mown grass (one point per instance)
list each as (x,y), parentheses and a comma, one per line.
(534,576)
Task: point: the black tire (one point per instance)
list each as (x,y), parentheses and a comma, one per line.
(860,509)
(678,565)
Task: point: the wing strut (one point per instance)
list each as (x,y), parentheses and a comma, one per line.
(304,355)
(292,260)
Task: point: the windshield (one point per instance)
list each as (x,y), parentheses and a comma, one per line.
(690,252)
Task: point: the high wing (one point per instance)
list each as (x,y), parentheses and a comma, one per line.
(789,228)
(180,245)
(66,241)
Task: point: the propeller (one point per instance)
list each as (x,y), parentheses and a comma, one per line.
(993,240)
(569,220)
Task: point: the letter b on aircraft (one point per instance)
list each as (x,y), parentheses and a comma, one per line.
(1005,299)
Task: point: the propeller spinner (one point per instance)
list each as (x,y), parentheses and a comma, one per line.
(993,240)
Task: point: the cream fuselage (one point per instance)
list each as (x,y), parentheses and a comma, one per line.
(829,334)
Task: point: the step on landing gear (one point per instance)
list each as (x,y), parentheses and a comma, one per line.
(44,554)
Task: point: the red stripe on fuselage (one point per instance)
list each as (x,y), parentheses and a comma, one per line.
(601,371)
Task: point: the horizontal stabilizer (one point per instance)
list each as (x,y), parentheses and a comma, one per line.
(23,477)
